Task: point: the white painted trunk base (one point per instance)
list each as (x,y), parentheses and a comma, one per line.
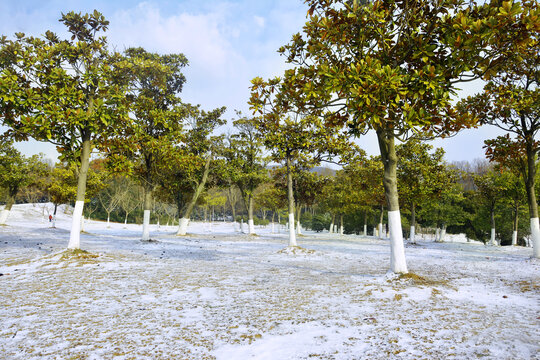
(182,226)
(442,235)
(365,230)
(242,226)
(412,237)
(380,233)
(341,230)
(292,234)
(75,235)
(375,231)
(298,227)
(3,216)
(535,237)
(146,226)
(492,240)
(331,229)
(273,228)
(514,237)
(251,226)
(335,228)
(398,263)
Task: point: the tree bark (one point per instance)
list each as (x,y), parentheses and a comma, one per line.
(75,234)
(389,158)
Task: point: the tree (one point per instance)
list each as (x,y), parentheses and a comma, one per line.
(416,172)
(16,172)
(273,198)
(192,160)
(389,66)
(245,162)
(67,92)
(294,140)
(444,203)
(490,189)
(146,146)
(511,98)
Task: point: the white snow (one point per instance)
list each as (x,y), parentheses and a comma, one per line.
(220,294)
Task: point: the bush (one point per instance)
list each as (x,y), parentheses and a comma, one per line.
(320,222)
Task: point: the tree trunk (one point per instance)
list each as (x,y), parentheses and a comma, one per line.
(365,222)
(492,240)
(442,233)
(412,238)
(380,231)
(341,224)
(531,196)
(298,224)
(233,209)
(146,218)
(7,209)
(186,212)
(75,234)
(515,224)
(251,224)
(54,215)
(389,158)
(290,198)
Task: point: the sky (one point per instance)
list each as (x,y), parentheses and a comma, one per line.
(227,43)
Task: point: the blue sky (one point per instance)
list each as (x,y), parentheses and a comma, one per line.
(226,42)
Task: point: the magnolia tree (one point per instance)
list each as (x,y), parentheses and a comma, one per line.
(511,158)
(67,92)
(511,98)
(387,66)
(246,166)
(490,188)
(191,163)
(294,140)
(146,145)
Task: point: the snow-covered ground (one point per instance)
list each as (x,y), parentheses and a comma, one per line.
(217,294)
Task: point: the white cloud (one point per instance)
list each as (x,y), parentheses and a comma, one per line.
(260,21)
(200,37)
